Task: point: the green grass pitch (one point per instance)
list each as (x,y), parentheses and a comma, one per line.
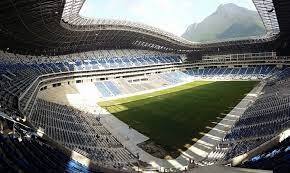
(173,117)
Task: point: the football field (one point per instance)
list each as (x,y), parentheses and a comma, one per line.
(173,117)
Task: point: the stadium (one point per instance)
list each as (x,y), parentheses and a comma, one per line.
(103,95)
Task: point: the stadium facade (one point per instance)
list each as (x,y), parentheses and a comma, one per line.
(47,44)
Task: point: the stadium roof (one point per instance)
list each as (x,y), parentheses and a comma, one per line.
(52,27)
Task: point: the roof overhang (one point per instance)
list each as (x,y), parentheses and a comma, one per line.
(52,27)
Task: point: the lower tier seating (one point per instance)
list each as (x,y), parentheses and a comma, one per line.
(277,158)
(112,88)
(81,132)
(264,119)
(34,155)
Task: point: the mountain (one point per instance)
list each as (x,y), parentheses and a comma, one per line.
(228,21)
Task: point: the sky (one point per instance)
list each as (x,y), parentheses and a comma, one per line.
(170,15)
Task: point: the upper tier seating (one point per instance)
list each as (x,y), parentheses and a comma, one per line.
(15,78)
(109,63)
(234,73)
